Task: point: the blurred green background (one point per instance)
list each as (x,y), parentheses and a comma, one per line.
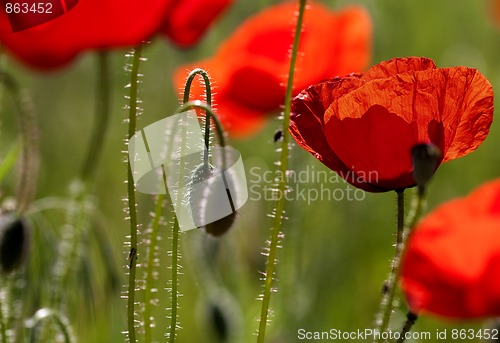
(335,254)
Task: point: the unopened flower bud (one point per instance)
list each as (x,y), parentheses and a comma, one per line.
(425,158)
(213,194)
(14,241)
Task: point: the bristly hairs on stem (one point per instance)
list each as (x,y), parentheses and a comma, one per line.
(387,291)
(133,111)
(29,162)
(424,159)
(283,165)
(175,253)
(387,303)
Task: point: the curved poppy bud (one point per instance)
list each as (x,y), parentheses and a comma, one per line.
(14,241)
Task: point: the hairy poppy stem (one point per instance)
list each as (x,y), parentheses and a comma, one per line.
(208,96)
(132,120)
(175,235)
(29,161)
(283,165)
(387,303)
(411,318)
(153,239)
(101,119)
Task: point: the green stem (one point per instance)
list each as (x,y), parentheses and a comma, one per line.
(175,280)
(175,234)
(132,120)
(220,134)
(175,250)
(208,95)
(101,119)
(189,81)
(150,267)
(387,302)
(280,204)
(44,314)
(401,221)
(411,318)
(3,324)
(29,161)
(198,104)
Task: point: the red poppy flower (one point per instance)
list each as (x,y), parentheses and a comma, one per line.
(250,68)
(364,126)
(104,24)
(452,264)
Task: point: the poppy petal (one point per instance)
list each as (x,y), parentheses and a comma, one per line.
(92,24)
(397,66)
(461,98)
(372,120)
(452,264)
(186,21)
(250,68)
(306,128)
(377,144)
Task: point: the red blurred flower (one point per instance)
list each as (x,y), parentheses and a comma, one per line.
(186,21)
(452,264)
(364,126)
(493,9)
(250,68)
(104,24)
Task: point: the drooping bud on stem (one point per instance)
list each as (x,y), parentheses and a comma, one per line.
(216,192)
(14,241)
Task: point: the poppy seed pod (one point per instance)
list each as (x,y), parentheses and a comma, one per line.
(425,159)
(14,241)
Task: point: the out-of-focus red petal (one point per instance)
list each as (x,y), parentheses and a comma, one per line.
(452,264)
(187,20)
(91,24)
(348,49)
(351,54)
(251,66)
